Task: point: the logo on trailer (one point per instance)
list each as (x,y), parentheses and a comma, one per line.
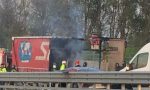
(25,50)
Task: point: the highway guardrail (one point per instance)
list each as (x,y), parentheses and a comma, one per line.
(47,78)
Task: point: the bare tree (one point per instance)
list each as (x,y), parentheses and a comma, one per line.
(12,20)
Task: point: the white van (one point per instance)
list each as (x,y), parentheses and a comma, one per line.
(141,60)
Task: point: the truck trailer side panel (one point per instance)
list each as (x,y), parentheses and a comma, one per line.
(31,54)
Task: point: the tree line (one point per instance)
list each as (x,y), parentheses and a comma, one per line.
(126,19)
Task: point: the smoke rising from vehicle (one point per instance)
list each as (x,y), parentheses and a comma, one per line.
(68,23)
(68,49)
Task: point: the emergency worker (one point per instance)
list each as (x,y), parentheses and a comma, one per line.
(13,69)
(3,68)
(54,66)
(117,67)
(85,64)
(77,63)
(63,65)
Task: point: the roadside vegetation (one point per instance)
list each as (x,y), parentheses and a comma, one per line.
(125,19)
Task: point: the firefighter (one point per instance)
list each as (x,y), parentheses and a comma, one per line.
(63,65)
(3,68)
(77,63)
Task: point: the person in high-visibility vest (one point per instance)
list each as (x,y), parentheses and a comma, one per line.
(3,68)
(63,65)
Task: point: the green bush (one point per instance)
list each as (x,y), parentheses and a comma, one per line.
(130,52)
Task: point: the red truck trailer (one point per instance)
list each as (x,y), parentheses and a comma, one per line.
(31,53)
(39,53)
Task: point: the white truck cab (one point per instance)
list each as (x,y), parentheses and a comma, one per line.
(141,60)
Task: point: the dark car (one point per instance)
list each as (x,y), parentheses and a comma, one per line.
(82,69)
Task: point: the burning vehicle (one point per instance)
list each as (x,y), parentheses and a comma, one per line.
(41,53)
(37,53)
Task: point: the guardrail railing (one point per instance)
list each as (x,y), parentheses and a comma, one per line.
(50,80)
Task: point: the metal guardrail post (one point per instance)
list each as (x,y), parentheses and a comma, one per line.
(56,84)
(139,87)
(108,87)
(94,86)
(49,85)
(68,85)
(122,86)
(45,85)
(80,85)
(149,86)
